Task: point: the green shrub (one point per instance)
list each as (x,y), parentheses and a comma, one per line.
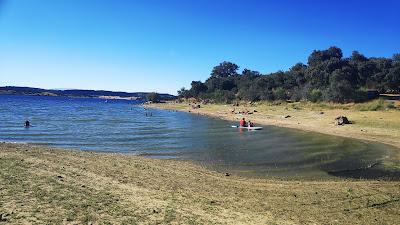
(153,96)
(315,95)
(223,96)
(280,93)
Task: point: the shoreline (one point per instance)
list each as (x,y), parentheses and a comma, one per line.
(354,131)
(49,185)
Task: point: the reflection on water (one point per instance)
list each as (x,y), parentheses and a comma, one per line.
(122,126)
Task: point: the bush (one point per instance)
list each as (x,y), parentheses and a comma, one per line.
(249,94)
(280,93)
(298,94)
(153,96)
(223,96)
(315,95)
(341,92)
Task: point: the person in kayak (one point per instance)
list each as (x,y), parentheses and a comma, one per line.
(250,124)
(242,122)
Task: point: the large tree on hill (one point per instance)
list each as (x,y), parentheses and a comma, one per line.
(317,57)
(224,69)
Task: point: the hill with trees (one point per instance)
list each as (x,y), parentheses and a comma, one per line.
(12,90)
(328,76)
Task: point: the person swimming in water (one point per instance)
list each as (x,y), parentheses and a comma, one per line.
(250,124)
(27,123)
(242,122)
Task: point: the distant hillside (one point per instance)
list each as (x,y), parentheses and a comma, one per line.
(12,90)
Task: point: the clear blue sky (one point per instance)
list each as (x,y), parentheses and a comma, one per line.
(164,45)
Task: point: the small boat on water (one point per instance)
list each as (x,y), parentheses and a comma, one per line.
(249,128)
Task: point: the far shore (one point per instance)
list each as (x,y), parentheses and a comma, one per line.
(41,185)
(118,98)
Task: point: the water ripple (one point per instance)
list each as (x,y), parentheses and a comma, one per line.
(122,126)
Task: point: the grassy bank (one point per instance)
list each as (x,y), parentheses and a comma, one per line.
(41,185)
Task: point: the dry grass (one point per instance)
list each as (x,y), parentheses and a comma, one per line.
(47,186)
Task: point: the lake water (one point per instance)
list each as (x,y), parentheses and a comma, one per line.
(122,126)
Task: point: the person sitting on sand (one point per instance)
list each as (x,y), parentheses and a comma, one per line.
(27,123)
(242,122)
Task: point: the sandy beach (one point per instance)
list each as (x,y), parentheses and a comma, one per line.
(41,185)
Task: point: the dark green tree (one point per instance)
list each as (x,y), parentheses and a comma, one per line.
(224,69)
(183,93)
(153,96)
(317,57)
(392,80)
(357,57)
(197,88)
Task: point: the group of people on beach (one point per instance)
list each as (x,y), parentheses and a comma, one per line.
(243,123)
(245,112)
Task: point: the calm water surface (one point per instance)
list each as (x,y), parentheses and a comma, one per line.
(121,126)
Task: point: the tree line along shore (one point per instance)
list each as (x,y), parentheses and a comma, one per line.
(327,76)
